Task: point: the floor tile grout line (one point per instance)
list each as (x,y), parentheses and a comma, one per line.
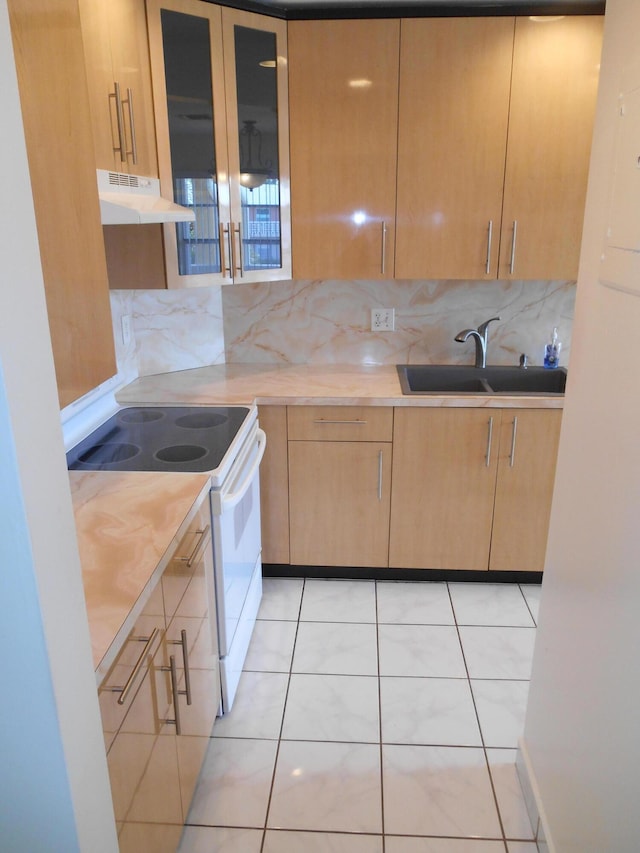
(382,826)
(284,711)
(526,601)
(475,708)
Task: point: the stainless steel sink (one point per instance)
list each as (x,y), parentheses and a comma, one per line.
(498,379)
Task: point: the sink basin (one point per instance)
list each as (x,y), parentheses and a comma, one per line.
(497,379)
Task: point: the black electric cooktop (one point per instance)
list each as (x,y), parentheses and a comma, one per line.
(160,438)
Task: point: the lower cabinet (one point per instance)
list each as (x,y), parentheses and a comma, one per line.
(408,488)
(339,485)
(158,728)
(472,488)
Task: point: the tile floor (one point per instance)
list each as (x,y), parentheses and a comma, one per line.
(374,717)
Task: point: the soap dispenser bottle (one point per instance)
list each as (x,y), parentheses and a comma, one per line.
(552,351)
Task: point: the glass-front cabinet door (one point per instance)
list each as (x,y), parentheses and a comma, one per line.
(256,79)
(220,92)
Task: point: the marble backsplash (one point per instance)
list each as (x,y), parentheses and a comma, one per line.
(320,322)
(170,330)
(330,321)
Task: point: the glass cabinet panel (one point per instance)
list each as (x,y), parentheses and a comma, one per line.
(258,145)
(187,64)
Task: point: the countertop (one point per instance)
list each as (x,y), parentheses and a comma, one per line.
(128,526)
(305,384)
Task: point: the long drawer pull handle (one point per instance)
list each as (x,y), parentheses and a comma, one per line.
(185,658)
(512,455)
(122,148)
(383,259)
(512,259)
(175,693)
(353,423)
(124,691)
(202,534)
(132,125)
(489,437)
(489,238)
(380,475)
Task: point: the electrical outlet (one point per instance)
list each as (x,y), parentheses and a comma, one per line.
(125,325)
(383,319)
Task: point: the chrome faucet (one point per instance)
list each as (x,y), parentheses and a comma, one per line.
(480,337)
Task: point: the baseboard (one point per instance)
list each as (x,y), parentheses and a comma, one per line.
(535,806)
(284,570)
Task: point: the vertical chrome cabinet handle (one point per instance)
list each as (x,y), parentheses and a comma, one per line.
(175,694)
(380,475)
(185,657)
(512,260)
(223,233)
(240,253)
(487,457)
(487,268)
(132,126)
(202,536)
(124,691)
(122,148)
(514,430)
(384,248)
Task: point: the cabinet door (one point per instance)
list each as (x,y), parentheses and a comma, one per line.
(339,496)
(553,97)
(452,132)
(192,641)
(141,749)
(343,85)
(256,81)
(444,470)
(274,486)
(528,450)
(49,62)
(185,38)
(117,55)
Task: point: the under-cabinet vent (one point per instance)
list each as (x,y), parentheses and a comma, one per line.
(136,200)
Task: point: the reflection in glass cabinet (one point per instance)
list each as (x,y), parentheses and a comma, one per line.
(257,105)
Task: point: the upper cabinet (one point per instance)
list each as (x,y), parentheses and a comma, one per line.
(556,68)
(55,112)
(453,118)
(221,102)
(343,83)
(478,129)
(116,52)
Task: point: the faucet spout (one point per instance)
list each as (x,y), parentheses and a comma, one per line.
(480,337)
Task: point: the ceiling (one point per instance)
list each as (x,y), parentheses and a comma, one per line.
(295,9)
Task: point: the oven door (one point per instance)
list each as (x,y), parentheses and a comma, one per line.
(235,509)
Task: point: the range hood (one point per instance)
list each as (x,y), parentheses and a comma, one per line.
(135,200)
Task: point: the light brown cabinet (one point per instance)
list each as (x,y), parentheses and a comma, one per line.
(53,96)
(472,488)
(221,110)
(524,487)
(156,739)
(492,153)
(274,486)
(339,485)
(343,128)
(116,52)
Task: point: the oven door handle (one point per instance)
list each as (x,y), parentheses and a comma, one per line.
(232,498)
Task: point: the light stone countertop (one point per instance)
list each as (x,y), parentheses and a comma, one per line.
(128,526)
(305,384)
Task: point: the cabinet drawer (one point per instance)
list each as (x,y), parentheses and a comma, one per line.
(339,423)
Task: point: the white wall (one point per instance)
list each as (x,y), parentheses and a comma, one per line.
(581,733)
(54,786)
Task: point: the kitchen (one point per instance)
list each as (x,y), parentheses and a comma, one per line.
(24,363)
